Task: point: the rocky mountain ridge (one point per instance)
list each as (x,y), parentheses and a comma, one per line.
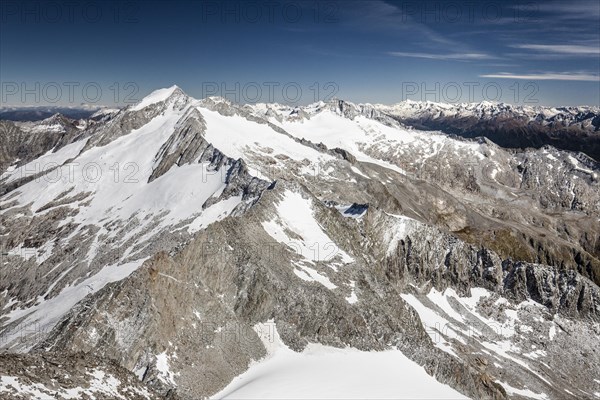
(334,224)
(510,126)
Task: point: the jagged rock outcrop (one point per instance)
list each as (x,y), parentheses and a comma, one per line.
(563,291)
(60,375)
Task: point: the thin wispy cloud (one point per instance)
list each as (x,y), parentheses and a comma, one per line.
(500,65)
(451,56)
(377,15)
(561,48)
(535,57)
(575,10)
(545,76)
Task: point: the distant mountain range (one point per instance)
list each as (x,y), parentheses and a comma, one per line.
(568,128)
(510,126)
(38,113)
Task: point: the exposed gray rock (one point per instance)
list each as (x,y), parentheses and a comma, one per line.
(59,375)
(428,228)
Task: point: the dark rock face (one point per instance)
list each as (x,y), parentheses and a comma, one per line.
(345,155)
(562,291)
(356,209)
(186,145)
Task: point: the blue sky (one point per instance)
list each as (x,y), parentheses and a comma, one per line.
(534,52)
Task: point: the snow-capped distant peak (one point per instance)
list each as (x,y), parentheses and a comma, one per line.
(217,100)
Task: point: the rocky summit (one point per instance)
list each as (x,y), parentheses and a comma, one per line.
(184,249)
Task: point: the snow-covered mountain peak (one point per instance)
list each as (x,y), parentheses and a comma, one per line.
(56,123)
(173,94)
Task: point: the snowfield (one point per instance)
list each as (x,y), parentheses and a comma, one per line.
(322,372)
(295,214)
